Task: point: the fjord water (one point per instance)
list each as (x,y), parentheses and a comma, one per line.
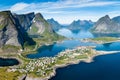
(8,62)
(105,67)
(54,49)
(76,34)
(114,46)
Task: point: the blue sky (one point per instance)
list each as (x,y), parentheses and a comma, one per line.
(64,11)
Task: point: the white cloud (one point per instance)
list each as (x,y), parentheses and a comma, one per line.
(114,13)
(19,6)
(56,6)
(59,9)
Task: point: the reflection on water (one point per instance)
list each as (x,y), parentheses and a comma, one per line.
(76,35)
(84,34)
(54,49)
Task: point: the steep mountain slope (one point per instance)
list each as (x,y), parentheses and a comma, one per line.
(25,20)
(11,32)
(41,27)
(54,24)
(106,25)
(80,25)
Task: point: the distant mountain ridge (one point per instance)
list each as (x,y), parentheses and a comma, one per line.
(107,25)
(83,25)
(55,25)
(116,19)
(74,26)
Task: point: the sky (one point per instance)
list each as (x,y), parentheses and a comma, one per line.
(64,11)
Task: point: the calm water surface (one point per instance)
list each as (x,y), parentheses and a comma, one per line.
(79,35)
(8,62)
(54,49)
(114,46)
(106,67)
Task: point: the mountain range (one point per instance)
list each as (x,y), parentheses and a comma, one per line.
(104,25)
(80,25)
(74,26)
(16,28)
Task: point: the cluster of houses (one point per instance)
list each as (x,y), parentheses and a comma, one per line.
(41,65)
(74,52)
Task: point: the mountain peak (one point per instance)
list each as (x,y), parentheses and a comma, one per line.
(38,15)
(54,24)
(5,13)
(78,25)
(106,25)
(52,19)
(106,16)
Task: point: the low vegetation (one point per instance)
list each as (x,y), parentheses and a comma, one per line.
(5,75)
(1,27)
(105,39)
(102,40)
(10,49)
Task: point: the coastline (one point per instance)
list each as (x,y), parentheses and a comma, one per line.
(55,67)
(88,60)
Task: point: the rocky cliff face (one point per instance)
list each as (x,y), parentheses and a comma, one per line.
(25,20)
(40,26)
(11,32)
(106,25)
(14,29)
(80,25)
(54,24)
